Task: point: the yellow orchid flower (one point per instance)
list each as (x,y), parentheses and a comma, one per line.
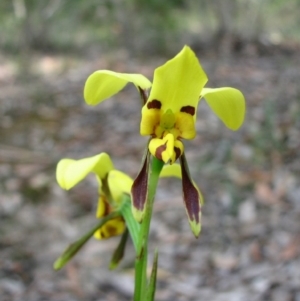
(112,185)
(171,107)
(169,116)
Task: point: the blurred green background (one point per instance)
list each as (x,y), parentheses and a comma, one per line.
(145,27)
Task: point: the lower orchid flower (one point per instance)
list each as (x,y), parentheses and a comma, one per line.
(168,117)
(112,185)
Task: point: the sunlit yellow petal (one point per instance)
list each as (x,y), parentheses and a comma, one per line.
(178,82)
(150,121)
(228,104)
(119,183)
(186,125)
(115,226)
(102,84)
(70,172)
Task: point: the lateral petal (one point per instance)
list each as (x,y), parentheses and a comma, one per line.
(185,124)
(70,172)
(139,189)
(119,183)
(102,84)
(228,104)
(192,198)
(174,170)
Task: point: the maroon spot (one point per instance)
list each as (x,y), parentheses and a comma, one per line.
(190,193)
(160,150)
(177,151)
(154,104)
(188,109)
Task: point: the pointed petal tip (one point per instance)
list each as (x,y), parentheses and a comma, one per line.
(195,227)
(137,214)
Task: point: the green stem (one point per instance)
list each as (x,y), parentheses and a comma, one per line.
(142,249)
(132,225)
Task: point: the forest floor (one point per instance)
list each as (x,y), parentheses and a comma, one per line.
(249,247)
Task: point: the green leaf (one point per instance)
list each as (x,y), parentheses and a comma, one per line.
(73,248)
(119,251)
(152,283)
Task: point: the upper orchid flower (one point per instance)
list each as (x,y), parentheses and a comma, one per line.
(169,116)
(112,185)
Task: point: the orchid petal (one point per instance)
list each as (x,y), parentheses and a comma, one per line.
(151,120)
(139,189)
(113,227)
(192,198)
(103,207)
(70,172)
(228,104)
(178,83)
(103,84)
(174,170)
(119,183)
(186,125)
(162,149)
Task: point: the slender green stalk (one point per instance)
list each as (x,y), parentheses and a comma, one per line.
(72,249)
(132,225)
(142,250)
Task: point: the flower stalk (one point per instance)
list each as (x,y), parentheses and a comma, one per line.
(141,283)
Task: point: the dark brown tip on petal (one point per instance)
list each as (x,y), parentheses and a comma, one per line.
(154,104)
(188,109)
(139,187)
(143,94)
(190,193)
(160,150)
(177,151)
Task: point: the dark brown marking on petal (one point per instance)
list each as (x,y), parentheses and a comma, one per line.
(154,104)
(107,207)
(190,193)
(143,94)
(177,151)
(188,109)
(160,150)
(139,187)
(111,230)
